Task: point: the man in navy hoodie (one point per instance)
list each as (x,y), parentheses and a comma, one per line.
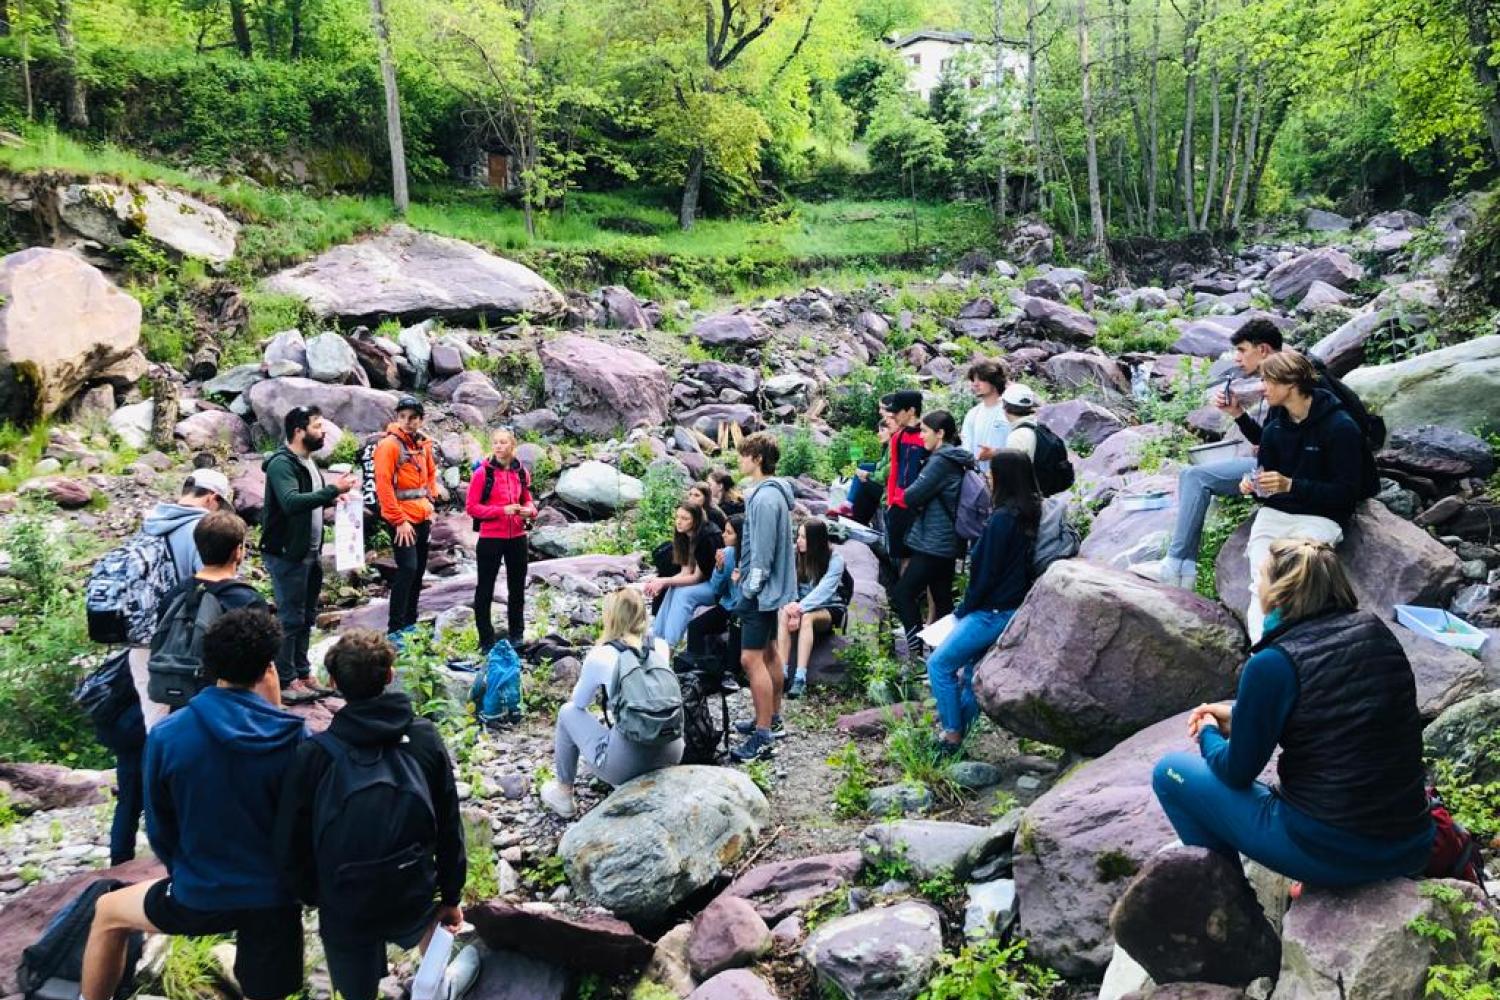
(213,777)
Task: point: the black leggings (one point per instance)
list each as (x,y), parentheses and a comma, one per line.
(923,573)
(411,567)
(491,553)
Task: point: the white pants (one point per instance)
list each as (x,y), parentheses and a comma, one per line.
(1268,526)
(140,659)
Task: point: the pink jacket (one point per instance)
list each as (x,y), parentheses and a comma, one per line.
(511,485)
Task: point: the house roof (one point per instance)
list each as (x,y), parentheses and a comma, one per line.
(933,34)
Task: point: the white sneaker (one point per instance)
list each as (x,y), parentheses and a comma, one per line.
(559,801)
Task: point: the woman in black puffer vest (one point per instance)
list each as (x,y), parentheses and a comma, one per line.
(1332,687)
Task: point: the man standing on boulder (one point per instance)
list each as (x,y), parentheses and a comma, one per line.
(291,539)
(985,427)
(406,484)
(767,578)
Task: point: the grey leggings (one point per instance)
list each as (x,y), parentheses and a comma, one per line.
(613,758)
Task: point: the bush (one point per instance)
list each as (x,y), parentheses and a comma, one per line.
(664,483)
(988,970)
(857,403)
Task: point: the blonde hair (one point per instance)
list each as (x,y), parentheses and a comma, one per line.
(1305,579)
(625,617)
(1290,368)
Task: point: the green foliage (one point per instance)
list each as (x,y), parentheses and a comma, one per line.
(870,665)
(1184,395)
(760,774)
(943,888)
(881,866)
(800,455)
(912,747)
(647,990)
(989,970)
(1223,520)
(482,883)
(857,405)
(191,972)
(1474,802)
(1130,332)
(1155,452)
(546,874)
(664,486)
(851,796)
(1467,942)
(851,446)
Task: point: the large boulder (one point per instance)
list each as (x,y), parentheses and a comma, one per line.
(62,323)
(599,389)
(887,953)
(709,418)
(1343,350)
(1201,338)
(1319,221)
(1389,561)
(1081,842)
(1120,538)
(214,430)
(1456,736)
(738,330)
(331,359)
(1095,655)
(594,486)
(1079,420)
(354,408)
(1445,676)
(934,847)
(1435,452)
(1074,370)
(661,837)
(585,942)
(1053,319)
(409,275)
(112,215)
(736,984)
(1290,281)
(1121,452)
(1191,916)
(41,787)
(1359,943)
(1456,387)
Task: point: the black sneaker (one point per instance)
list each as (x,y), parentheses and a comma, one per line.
(746,727)
(757,747)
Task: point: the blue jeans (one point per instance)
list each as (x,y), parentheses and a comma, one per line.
(297,584)
(1252,821)
(677,607)
(126,737)
(1196,486)
(950,669)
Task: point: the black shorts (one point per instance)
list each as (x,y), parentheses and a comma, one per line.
(898,521)
(757,629)
(268,942)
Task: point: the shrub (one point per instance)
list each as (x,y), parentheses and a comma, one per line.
(851,796)
(664,485)
(1226,517)
(856,403)
(988,970)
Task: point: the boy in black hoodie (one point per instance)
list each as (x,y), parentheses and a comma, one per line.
(375,726)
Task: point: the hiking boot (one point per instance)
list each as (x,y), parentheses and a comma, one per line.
(307,683)
(947,750)
(297,694)
(746,727)
(757,747)
(559,801)
(797,687)
(1171,572)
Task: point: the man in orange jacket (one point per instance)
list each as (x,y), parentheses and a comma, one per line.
(406,484)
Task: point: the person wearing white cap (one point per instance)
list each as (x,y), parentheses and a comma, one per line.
(206,490)
(1020,409)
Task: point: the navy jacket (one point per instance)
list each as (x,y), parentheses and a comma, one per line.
(212,782)
(1323,456)
(999,568)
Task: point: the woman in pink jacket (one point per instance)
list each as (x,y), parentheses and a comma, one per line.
(500,503)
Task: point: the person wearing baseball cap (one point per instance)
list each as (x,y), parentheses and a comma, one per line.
(406,485)
(1020,409)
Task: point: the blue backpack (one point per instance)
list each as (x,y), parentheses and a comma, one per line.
(497,689)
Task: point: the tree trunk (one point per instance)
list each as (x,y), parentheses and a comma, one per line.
(1091,136)
(1250,143)
(1481,56)
(1152,154)
(688,214)
(392,107)
(1235,138)
(25,47)
(1213,152)
(241,27)
(294,15)
(1186,153)
(1263,153)
(1035,108)
(77,108)
(4,18)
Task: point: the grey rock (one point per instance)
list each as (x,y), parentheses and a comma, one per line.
(111,214)
(1119,453)
(1079,420)
(1456,387)
(237,380)
(1290,281)
(1455,735)
(736,984)
(416,344)
(1320,297)
(661,837)
(287,346)
(735,330)
(1343,350)
(880,954)
(622,310)
(1435,452)
(354,408)
(510,975)
(901,799)
(214,430)
(974,774)
(1076,369)
(990,907)
(933,847)
(718,375)
(1319,221)
(1119,538)
(1201,339)
(1057,320)
(330,359)
(596,486)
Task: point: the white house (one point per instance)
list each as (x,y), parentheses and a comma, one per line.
(930,53)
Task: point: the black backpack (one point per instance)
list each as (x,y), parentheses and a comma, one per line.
(107,691)
(374,833)
(176,665)
(700,736)
(1370,425)
(1054,470)
(51,969)
(489,483)
(846,589)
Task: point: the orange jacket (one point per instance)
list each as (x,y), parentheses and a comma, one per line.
(416,477)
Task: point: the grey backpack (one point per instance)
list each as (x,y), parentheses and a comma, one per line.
(1055,537)
(645,699)
(175,670)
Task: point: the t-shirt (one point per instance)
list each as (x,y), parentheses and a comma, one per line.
(316,536)
(1023,438)
(706,550)
(985,427)
(598,671)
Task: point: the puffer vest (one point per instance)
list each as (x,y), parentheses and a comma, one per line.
(1351,750)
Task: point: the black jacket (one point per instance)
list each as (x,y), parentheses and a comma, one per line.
(373,722)
(1351,750)
(1323,455)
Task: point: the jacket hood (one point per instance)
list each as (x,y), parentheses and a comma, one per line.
(166,518)
(781,485)
(954,453)
(245,721)
(1324,405)
(265,465)
(376,721)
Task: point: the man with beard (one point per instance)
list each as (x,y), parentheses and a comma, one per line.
(292,540)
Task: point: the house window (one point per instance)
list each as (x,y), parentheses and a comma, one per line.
(915,59)
(944,64)
(973,83)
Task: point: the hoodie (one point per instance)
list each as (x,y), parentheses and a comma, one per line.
(175,522)
(380,721)
(1323,456)
(213,776)
(934,499)
(768,569)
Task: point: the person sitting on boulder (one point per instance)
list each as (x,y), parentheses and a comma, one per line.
(1332,687)
(702,495)
(612,755)
(719,619)
(1311,468)
(725,493)
(932,539)
(695,543)
(1197,485)
(821,605)
(403,844)
(999,577)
